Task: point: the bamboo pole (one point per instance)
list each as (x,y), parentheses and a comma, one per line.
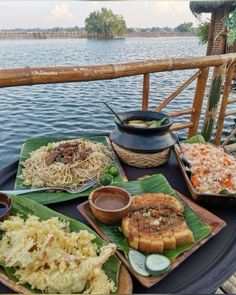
(230,113)
(181,112)
(232,100)
(146,80)
(227,88)
(198,100)
(177,91)
(61,74)
(230,148)
(179,126)
(211,32)
(232,134)
(213,101)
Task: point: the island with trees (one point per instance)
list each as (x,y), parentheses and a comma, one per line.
(100,24)
(104,24)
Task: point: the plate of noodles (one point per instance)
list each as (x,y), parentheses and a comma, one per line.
(47,161)
(42,251)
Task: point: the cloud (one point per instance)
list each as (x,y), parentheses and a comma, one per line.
(170,7)
(60,11)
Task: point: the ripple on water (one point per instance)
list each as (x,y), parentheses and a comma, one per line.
(75,108)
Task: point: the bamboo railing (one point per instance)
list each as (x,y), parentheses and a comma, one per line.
(223,68)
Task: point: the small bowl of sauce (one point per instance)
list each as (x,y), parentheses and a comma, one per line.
(5,205)
(110,204)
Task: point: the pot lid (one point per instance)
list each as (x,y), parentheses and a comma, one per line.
(140,142)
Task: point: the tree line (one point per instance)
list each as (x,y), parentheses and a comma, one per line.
(104,24)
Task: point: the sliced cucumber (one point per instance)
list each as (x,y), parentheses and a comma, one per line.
(157,264)
(137,261)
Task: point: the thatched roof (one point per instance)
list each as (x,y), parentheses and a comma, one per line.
(198,7)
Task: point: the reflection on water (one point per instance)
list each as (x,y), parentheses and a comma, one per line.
(73,108)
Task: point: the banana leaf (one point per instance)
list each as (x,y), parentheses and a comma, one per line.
(25,207)
(200,139)
(225,192)
(153,184)
(195,139)
(54,197)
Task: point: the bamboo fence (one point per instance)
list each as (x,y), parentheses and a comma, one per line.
(19,35)
(223,68)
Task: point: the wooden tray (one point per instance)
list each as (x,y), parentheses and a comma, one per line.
(207,217)
(215,199)
(125,285)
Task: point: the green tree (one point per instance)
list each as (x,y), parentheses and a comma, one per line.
(203,31)
(230,23)
(185,27)
(105,24)
(166,29)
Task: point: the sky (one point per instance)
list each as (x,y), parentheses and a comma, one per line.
(48,14)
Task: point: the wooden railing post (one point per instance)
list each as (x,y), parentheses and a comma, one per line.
(213,101)
(227,88)
(198,100)
(146,80)
(177,92)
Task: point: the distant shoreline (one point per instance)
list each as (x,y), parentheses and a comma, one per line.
(81,35)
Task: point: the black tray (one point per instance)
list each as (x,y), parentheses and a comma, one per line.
(203,272)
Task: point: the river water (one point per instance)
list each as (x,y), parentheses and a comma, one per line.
(70,109)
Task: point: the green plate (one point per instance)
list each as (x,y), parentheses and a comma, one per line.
(55,197)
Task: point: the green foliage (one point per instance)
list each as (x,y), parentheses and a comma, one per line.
(203,31)
(213,103)
(105,24)
(185,27)
(230,23)
(195,139)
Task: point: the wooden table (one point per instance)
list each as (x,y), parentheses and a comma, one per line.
(203,272)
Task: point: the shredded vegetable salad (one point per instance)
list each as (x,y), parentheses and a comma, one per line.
(212,170)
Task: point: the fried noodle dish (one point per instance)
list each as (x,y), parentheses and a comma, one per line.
(212,169)
(52,259)
(66,163)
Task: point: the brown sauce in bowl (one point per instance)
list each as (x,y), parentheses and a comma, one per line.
(110,202)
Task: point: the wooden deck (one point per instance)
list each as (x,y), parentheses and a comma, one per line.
(229,287)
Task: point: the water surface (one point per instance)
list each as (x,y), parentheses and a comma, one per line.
(75,108)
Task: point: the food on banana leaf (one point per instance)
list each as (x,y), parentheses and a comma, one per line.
(52,259)
(69,163)
(156,223)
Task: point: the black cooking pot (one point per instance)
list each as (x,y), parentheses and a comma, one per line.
(143,139)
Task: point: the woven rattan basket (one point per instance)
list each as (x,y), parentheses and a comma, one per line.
(142,160)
